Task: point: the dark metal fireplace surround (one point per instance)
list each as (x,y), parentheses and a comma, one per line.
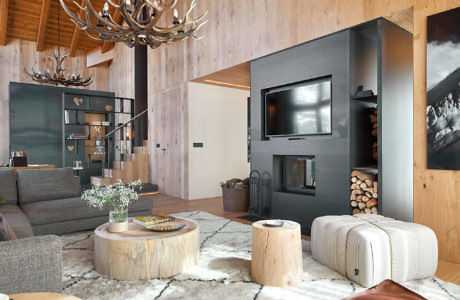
(311,173)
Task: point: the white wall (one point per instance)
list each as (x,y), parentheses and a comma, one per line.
(218,119)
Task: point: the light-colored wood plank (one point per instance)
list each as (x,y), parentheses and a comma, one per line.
(3,21)
(448,271)
(41,33)
(404,18)
(238,77)
(96,57)
(42,296)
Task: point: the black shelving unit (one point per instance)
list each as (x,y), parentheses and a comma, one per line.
(75,108)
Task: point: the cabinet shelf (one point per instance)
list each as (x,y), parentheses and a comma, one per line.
(368,99)
(368,169)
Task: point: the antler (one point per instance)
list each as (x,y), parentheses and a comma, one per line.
(140,23)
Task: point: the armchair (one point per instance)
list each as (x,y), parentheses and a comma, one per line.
(31,265)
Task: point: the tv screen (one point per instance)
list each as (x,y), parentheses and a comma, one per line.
(301,110)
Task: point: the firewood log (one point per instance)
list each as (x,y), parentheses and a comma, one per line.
(356,192)
(354,186)
(367,210)
(361,205)
(362,175)
(355,211)
(376,185)
(375,195)
(374,210)
(353,179)
(358,182)
(368,182)
(373,118)
(369,189)
(354,204)
(374,132)
(352,197)
(365,199)
(368,195)
(371,203)
(375,156)
(363,185)
(359,197)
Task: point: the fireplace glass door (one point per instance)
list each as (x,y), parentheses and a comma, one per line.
(299,174)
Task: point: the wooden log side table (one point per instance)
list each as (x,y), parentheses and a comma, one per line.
(139,253)
(276,254)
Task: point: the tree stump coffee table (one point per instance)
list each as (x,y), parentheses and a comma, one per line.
(276,254)
(139,253)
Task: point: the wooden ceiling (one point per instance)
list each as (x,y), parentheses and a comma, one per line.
(238,77)
(36,20)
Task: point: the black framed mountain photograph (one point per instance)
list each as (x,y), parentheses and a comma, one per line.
(443,90)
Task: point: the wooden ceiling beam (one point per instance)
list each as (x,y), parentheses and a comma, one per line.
(42,26)
(3,21)
(76,34)
(106,45)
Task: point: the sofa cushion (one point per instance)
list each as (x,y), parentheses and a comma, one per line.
(47,184)
(17,220)
(8,190)
(52,211)
(6,233)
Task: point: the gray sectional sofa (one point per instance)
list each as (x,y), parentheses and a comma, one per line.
(48,201)
(44,202)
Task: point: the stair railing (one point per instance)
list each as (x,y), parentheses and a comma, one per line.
(106,138)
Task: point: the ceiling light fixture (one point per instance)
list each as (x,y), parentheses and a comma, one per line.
(59,77)
(139,26)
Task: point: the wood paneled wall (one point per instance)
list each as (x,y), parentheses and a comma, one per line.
(436,193)
(18,55)
(122,71)
(239,31)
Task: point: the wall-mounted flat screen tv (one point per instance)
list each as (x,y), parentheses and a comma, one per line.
(303,109)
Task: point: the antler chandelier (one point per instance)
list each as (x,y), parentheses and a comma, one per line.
(58,77)
(139,24)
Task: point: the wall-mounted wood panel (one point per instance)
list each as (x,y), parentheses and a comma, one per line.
(122,71)
(239,31)
(19,55)
(436,193)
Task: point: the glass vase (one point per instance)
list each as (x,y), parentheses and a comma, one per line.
(118,219)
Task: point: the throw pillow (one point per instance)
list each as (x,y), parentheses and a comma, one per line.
(386,290)
(6,233)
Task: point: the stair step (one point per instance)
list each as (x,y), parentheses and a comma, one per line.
(117,164)
(99,180)
(108,173)
(140,150)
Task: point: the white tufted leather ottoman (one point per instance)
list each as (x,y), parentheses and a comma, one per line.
(371,248)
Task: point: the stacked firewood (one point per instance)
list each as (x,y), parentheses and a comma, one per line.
(364,192)
(373,117)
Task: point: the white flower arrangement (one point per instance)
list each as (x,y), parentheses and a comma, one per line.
(117,195)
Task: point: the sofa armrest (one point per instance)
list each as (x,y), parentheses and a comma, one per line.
(31,265)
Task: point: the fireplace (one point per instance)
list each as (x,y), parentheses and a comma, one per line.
(298,174)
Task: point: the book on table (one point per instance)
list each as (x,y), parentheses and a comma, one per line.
(152,220)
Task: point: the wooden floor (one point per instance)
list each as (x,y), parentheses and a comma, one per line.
(447,271)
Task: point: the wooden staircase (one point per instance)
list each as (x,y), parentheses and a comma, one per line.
(134,166)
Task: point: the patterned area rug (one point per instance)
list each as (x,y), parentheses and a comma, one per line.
(222,273)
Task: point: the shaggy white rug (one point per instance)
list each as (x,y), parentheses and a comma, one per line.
(222,273)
